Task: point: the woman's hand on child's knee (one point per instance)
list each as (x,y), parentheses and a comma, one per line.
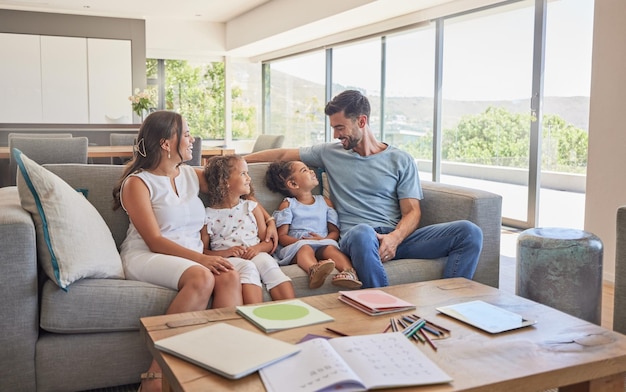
(217,264)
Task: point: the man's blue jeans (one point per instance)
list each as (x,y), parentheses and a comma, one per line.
(461,241)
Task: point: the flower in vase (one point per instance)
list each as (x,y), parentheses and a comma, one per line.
(142,101)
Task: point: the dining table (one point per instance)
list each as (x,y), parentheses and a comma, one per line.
(127,151)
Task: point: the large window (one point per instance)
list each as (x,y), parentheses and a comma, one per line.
(357,67)
(296,99)
(409,92)
(567,84)
(246,98)
(487,85)
(196,91)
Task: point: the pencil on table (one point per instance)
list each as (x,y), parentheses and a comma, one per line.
(431,330)
(405,326)
(440,328)
(430,342)
(337,332)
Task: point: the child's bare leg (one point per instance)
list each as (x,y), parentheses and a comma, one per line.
(283,291)
(317,270)
(347,276)
(305,258)
(342,262)
(252,294)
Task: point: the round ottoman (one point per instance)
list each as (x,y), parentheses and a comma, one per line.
(561,268)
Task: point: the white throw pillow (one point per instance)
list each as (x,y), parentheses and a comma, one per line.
(73,241)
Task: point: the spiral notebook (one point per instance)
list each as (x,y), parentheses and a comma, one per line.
(354,363)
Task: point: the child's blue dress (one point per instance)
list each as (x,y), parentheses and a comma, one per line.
(303,220)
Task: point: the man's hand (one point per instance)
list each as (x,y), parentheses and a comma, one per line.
(388,244)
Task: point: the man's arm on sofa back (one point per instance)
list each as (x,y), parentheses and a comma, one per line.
(445,203)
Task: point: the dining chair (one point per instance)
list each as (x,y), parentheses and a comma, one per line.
(48,150)
(196,159)
(4,163)
(266,142)
(121,139)
(37,135)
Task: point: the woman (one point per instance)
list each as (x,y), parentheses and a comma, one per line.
(163,246)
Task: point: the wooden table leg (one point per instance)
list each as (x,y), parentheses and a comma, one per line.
(614,383)
(165,385)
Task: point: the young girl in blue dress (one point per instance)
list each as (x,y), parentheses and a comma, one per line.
(308,227)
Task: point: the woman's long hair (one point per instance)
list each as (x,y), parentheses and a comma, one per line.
(156,128)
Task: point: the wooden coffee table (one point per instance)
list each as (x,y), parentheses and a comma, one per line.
(560,351)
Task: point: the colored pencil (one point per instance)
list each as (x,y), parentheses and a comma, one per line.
(337,332)
(430,342)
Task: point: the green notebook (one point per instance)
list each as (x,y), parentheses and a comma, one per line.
(276,316)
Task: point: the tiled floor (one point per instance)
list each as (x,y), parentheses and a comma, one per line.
(508,253)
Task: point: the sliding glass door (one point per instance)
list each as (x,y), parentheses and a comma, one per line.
(496,98)
(486,97)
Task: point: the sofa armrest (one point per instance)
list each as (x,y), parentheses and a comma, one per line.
(445,203)
(19,320)
(619,300)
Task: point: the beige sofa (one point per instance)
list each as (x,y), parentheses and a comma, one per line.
(87,337)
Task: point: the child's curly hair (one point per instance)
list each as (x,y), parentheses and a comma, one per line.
(277,175)
(217,172)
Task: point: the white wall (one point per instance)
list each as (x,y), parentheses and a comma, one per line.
(606,169)
(179,39)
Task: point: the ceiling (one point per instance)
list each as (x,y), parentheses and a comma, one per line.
(218,11)
(246,31)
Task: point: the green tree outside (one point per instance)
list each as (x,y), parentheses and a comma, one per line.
(498,137)
(197,93)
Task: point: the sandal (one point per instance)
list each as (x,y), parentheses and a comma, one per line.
(347,279)
(318,273)
(149,376)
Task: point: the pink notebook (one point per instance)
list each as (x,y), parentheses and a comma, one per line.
(374,302)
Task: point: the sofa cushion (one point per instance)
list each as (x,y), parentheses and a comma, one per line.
(101,305)
(73,241)
(98,181)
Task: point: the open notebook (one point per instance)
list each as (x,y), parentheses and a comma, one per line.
(227,350)
(353,363)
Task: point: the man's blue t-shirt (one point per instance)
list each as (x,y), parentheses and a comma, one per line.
(366,189)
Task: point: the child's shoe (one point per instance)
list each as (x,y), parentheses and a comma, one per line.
(319,272)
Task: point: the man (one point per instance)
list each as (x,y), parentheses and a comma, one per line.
(376,191)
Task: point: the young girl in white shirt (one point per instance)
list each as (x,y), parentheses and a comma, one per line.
(235,226)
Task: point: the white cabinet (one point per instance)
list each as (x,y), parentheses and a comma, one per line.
(46,79)
(64,87)
(110,81)
(20,79)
